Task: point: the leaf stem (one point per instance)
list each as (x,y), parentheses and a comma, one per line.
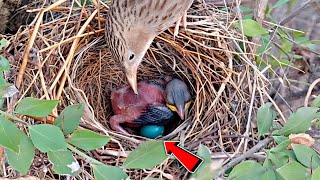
(11,116)
(91,160)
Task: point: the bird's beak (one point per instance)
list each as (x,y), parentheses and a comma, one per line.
(132,78)
(181,111)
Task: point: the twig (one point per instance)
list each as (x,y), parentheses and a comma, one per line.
(306,100)
(274,104)
(259,14)
(67,65)
(69,40)
(249,120)
(91,160)
(244,156)
(31,42)
(295,12)
(14,118)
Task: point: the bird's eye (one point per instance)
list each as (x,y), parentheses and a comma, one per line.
(131,56)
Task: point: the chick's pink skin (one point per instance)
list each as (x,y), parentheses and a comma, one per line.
(128,106)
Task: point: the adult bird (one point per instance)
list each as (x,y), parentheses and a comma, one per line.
(133,24)
(153,105)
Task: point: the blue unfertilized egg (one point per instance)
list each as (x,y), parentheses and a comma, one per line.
(152,131)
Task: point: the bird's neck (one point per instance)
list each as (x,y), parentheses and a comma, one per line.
(139,39)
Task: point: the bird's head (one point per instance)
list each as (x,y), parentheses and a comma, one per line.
(128,45)
(178,96)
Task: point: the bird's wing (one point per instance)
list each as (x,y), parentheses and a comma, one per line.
(155,115)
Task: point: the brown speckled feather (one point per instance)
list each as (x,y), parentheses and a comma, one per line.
(133,24)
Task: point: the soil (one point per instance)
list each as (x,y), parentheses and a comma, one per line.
(12,15)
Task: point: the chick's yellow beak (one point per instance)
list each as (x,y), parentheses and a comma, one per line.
(131,74)
(180,109)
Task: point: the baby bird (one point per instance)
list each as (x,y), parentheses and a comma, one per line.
(133,24)
(153,105)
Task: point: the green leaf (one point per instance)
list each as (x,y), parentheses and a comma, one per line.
(269,173)
(1,103)
(36,107)
(7,90)
(88,140)
(278,158)
(294,171)
(264,44)
(88,3)
(279,3)
(205,172)
(268,11)
(4,63)
(248,16)
(279,63)
(276,62)
(146,156)
(247,170)
(244,9)
(69,118)
(3,43)
(297,34)
(299,121)
(316,174)
(267,163)
(22,160)
(2,80)
(251,28)
(265,118)
(10,135)
(302,40)
(316,102)
(104,172)
(47,137)
(306,156)
(280,139)
(286,46)
(64,163)
(281,147)
(291,155)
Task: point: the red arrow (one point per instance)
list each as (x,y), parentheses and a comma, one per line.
(190,161)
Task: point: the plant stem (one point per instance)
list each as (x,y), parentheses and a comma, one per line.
(11,116)
(91,160)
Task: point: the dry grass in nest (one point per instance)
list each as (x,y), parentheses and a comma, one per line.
(72,64)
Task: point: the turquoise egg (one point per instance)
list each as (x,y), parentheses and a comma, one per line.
(152,131)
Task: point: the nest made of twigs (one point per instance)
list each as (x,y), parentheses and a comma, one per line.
(69,61)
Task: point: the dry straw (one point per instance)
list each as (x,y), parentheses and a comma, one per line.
(71,63)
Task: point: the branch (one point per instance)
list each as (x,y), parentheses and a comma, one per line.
(244,156)
(259,15)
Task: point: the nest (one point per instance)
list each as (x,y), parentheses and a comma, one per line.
(62,55)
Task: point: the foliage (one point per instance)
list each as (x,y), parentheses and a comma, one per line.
(83,3)
(50,139)
(265,117)
(251,28)
(205,171)
(6,89)
(303,160)
(146,156)
(20,148)
(88,140)
(289,159)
